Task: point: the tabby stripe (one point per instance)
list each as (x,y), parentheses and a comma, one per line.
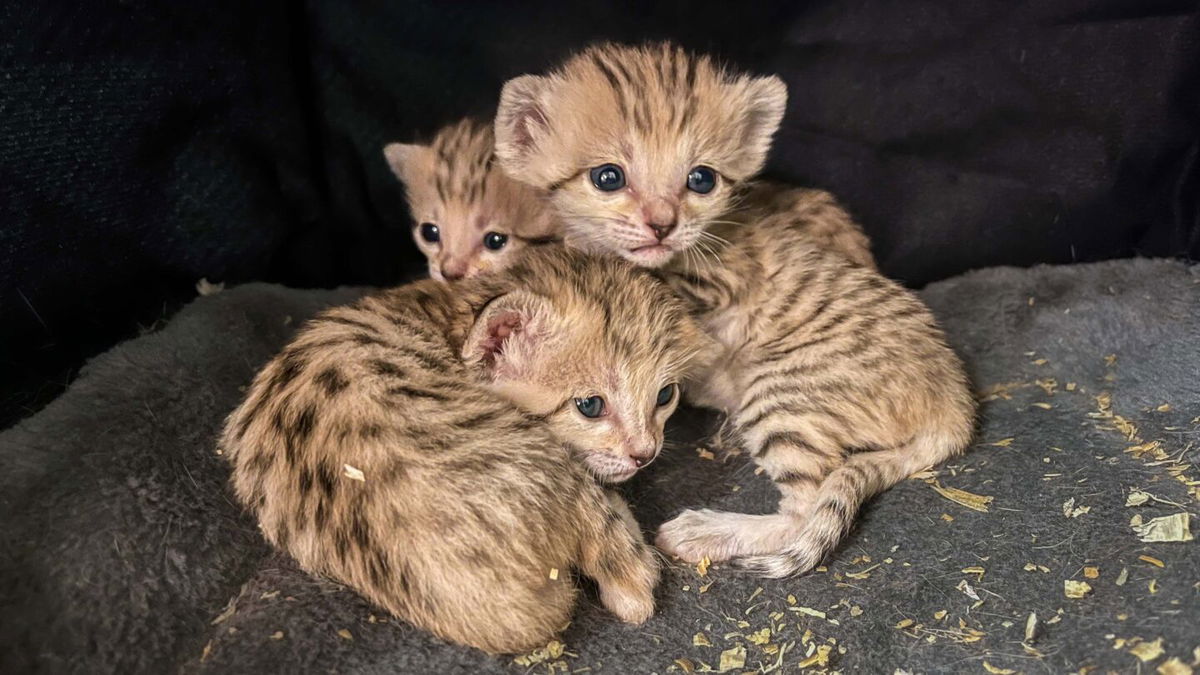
(410,392)
(616,85)
(346,321)
(774,439)
(555,187)
(794,478)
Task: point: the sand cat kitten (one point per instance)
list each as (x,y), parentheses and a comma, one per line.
(430,446)
(838,380)
(468,216)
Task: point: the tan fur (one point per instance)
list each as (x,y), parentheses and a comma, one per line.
(456,402)
(837,379)
(453,184)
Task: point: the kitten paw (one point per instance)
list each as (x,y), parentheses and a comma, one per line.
(697,534)
(634,607)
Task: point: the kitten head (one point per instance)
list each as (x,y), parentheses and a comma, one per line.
(595,347)
(640,147)
(468,216)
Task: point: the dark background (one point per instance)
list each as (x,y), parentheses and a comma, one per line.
(146,145)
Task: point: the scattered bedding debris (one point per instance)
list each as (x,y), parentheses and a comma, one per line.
(1076,589)
(1071,511)
(970,500)
(734,657)
(353,473)
(1175,527)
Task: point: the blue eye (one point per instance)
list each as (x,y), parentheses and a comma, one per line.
(702,179)
(430,233)
(592,406)
(494,241)
(665,395)
(608,177)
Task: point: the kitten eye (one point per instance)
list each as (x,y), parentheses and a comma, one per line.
(608,177)
(430,233)
(591,407)
(494,241)
(702,179)
(665,395)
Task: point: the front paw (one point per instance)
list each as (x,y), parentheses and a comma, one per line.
(634,606)
(696,534)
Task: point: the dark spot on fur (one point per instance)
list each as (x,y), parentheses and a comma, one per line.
(321,518)
(327,479)
(341,544)
(377,568)
(395,471)
(410,392)
(360,530)
(289,366)
(346,321)
(305,422)
(385,368)
(332,381)
(482,418)
(365,339)
(838,509)
(306,481)
(260,462)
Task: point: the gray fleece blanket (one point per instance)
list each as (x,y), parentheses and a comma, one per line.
(121,549)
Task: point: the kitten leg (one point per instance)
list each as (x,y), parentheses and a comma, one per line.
(721,535)
(842,494)
(797,459)
(616,556)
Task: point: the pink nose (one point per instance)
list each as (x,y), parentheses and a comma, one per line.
(643,457)
(661,231)
(453,271)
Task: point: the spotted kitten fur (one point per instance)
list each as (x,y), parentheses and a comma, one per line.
(468,216)
(436,447)
(838,380)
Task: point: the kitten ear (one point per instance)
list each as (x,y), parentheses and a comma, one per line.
(765,100)
(508,335)
(402,159)
(522,124)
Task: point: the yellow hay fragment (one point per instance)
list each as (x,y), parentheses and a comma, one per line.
(970,500)
(1076,589)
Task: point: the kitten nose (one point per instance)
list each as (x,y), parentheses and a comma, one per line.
(661,231)
(453,271)
(643,457)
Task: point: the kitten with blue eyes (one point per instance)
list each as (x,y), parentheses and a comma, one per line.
(837,380)
(468,216)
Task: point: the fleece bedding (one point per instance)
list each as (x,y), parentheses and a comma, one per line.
(122,550)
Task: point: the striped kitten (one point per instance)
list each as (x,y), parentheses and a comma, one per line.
(838,380)
(468,216)
(430,446)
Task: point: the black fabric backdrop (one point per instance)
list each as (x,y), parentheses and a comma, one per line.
(146,145)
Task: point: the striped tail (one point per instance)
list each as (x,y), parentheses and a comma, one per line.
(822,527)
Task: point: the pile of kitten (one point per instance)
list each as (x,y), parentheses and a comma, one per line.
(598,252)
